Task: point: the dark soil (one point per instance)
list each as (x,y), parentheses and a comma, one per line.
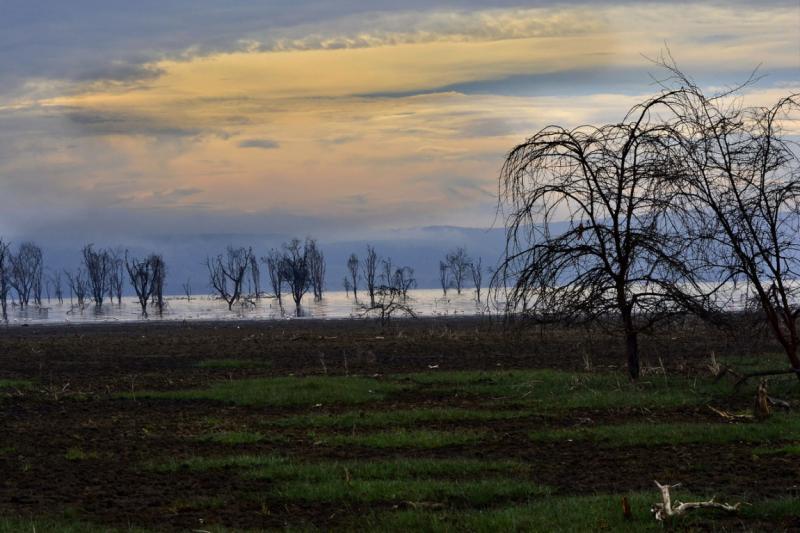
(78,372)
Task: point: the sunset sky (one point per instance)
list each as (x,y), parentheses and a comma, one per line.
(343,119)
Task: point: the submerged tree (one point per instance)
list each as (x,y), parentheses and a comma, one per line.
(78,285)
(316,264)
(273,262)
(295,270)
(370,268)
(98,265)
(352,268)
(458,263)
(476,269)
(616,256)
(444,276)
(143,276)
(5,281)
(116,274)
(227,273)
(27,267)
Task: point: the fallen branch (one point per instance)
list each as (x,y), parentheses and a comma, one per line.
(665,510)
(729,416)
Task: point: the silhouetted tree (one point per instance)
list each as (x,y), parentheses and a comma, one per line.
(316,263)
(352,268)
(143,277)
(458,262)
(444,276)
(273,262)
(740,181)
(295,270)
(227,272)
(404,280)
(78,285)
(617,256)
(5,278)
(159,268)
(116,275)
(255,276)
(99,265)
(26,273)
(476,269)
(370,268)
(55,279)
(187,289)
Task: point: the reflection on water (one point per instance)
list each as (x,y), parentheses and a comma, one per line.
(424,302)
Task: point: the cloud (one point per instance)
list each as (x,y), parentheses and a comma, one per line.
(266,144)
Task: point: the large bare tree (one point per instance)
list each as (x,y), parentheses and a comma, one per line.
(590,234)
(741,181)
(78,285)
(227,273)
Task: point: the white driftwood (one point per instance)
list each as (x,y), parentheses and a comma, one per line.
(666,510)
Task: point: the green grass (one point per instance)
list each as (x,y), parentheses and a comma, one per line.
(468,480)
(397,417)
(473,492)
(286,391)
(15,384)
(405,438)
(557,391)
(792,449)
(775,429)
(566,514)
(232,437)
(233,363)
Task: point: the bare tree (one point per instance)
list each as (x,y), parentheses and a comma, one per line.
(5,278)
(444,276)
(116,274)
(392,298)
(78,285)
(316,263)
(255,276)
(616,257)
(227,273)
(273,262)
(352,268)
(370,267)
(387,274)
(99,265)
(404,280)
(55,279)
(741,181)
(295,270)
(187,289)
(26,273)
(476,269)
(159,269)
(142,278)
(458,262)
(347,286)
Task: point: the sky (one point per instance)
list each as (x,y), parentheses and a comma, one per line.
(162,121)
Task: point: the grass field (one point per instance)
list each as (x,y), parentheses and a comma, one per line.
(529,449)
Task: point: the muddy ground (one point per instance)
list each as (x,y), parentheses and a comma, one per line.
(78,373)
